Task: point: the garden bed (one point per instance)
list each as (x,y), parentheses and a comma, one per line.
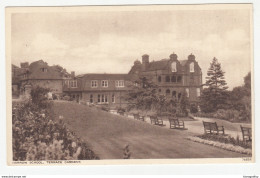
(225,143)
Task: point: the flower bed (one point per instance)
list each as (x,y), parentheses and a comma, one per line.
(37,136)
(226,146)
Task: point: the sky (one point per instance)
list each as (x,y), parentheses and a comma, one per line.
(110,41)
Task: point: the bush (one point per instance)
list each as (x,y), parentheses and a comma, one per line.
(36,135)
(39,98)
(230,115)
(227,140)
(193,108)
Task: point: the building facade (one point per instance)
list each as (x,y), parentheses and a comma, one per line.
(38,73)
(172,76)
(106,89)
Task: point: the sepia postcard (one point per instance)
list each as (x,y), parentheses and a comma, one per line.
(140,84)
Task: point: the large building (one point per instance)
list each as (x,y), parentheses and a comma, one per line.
(38,73)
(99,88)
(172,76)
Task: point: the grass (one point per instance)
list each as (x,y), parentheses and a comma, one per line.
(108,134)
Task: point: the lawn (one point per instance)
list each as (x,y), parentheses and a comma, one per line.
(107,134)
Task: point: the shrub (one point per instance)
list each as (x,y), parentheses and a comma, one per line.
(193,108)
(229,114)
(227,140)
(36,135)
(38,96)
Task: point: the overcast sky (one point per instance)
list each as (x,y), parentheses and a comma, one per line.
(99,42)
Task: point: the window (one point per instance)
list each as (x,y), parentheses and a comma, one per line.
(73,84)
(113,98)
(167,79)
(98,99)
(91,98)
(174,94)
(179,79)
(188,92)
(104,83)
(192,67)
(159,79)
(174,67)
(43,69)
(173,78)
(103,98)
(94,83)
(179,96)
(168,92)
(198,92)
(120,83)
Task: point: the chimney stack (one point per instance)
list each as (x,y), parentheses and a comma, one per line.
(145,61)
(72,74)
(24,64)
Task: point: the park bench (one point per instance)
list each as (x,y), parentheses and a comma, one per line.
(246,133)
(138,117)
(212,127)
(175,123)
(156,121)
(120,112)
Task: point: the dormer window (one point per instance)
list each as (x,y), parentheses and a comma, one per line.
(174,67)
(120,83)
(94,83)
(104,83)
(192,67)
(44,69)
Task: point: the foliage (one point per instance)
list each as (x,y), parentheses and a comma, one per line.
(38,136)
(214,96)
(144,96)
(226,140)
(240,99)
(39,97)
(193,108)
(127,153)
(228,114)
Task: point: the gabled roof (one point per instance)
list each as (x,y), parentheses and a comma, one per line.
(105,76)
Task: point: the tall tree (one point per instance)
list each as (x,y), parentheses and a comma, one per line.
(214,95)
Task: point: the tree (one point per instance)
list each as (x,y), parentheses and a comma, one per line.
(214,95)
(240,98)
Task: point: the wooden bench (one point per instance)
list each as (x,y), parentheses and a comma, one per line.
(175,123)
(246,133)
(138,117)
(156,121)
(121,113)
(212,127)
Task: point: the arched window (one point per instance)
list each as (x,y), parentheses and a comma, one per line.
(179,96)
(188,92)
(167,78)
(174,67)
(98,98)
(192,67)
(173,78)
(91,98)
(159,79)
(168,92)
(198,92)
(174,94)
(113,98)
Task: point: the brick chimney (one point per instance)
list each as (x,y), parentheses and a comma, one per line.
(72,74)
(24,64)
(145,61)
